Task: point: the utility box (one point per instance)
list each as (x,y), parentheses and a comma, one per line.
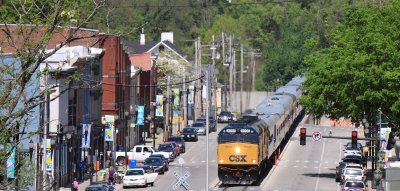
(392,179)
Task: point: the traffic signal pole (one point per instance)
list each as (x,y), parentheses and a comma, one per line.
(337,137)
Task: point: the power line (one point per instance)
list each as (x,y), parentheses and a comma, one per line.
(114,84)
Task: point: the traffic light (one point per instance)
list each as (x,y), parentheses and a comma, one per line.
(391,142)
(354,139)
(302,136)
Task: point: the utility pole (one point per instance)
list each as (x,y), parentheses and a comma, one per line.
(197,76)
(214,79)
(230,73)
(200,74)
(223,66)
(166,130)
(45,125)
(207,121)
(241,79)
(184,99)
(253,79)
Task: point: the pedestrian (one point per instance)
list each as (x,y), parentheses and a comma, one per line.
(75,185)
(179,132)
(111,174)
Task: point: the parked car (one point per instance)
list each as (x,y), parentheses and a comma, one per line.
(213,124)
(138,153)
(226,116)
(200,127)
(163,158)
(189,134)
(157,163)
(354,185)
(179,141)
(175,146)
(170,148)
(97,188)
(138,177)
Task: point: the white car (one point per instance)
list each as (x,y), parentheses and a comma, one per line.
(352,151)
(138,177)
(353,174)
(354,185)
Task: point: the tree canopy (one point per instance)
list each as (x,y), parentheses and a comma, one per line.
(359,74)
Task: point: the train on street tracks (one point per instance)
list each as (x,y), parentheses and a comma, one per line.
(247,147)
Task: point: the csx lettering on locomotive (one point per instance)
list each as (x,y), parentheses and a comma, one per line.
(237,158)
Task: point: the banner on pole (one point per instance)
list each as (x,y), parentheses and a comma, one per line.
(159,105)
(86,128)
(140,116)
(49,161)
(176,94)
(11,164)
(191,94)
(109,127)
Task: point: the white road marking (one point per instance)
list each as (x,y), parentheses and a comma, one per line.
(320,165)
(306,161)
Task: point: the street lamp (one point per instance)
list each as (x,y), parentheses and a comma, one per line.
(378,177)
(31,145)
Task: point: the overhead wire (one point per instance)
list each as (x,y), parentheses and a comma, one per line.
(156,85)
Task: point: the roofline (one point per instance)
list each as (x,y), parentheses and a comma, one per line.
(85,29)
(169,48)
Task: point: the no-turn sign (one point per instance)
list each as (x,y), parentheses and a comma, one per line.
(316,136)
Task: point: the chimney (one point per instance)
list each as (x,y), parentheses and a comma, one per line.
(142,38)
(167,36)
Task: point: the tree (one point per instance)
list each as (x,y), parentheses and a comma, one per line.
(29,29)
(358,75)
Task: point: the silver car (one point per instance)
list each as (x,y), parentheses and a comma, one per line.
(353,174)
(200,127)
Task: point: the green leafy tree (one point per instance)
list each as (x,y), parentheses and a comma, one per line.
(26,31)
(358,75)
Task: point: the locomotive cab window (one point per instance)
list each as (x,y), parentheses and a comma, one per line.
(246,135)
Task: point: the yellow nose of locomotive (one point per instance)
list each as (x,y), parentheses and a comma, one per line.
(237,153)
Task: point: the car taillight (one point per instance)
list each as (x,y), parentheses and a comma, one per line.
(359,153)
(345,152)
(363,171)
(343,177)
(365,189)
(343,189)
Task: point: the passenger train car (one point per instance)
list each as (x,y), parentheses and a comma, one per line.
(247,147)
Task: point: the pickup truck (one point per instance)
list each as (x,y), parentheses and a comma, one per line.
(139,177)
(139,153)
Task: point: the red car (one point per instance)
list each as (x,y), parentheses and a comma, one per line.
(175,145)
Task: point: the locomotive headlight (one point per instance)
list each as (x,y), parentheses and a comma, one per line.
(254,161)
(222,160)
(237,150)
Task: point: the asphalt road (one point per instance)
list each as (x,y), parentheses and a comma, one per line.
(300,168)
(194,163)
(310,167)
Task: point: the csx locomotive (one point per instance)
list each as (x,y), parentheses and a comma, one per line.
(248,146)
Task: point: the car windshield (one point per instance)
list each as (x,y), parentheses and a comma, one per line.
(94,188)
(188,130)
(156,150)
(176,139)
(198,125)
(201,119)
(354,149)
(355,184)
(134,172)
(359,145)
(165,147)
(225,113)
(152,160)
(353,172)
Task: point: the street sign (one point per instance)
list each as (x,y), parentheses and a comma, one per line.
(316,136)
(181,181)
(181,161)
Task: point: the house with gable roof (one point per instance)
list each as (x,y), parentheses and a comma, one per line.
(144,54)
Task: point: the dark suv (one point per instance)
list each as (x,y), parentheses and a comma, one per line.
(179,141)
